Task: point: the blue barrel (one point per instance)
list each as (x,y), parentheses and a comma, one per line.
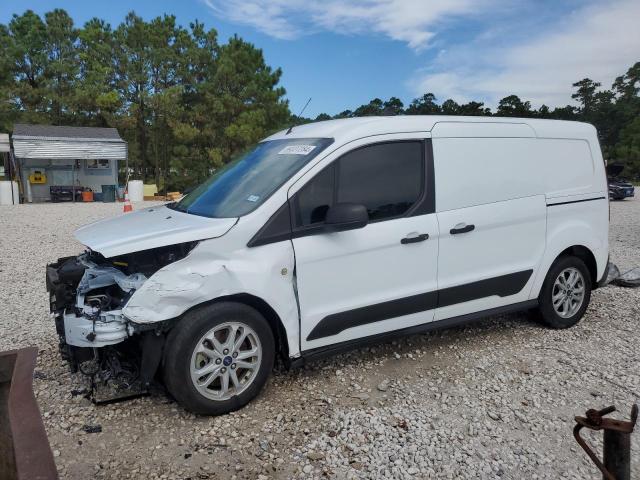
(97,196)
(108,193)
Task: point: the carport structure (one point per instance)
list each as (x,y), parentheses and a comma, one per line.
(59,156)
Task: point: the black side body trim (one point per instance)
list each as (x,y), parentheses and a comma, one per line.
(502,286)
(427,202)
(576,201)
(329,350)
(337,322)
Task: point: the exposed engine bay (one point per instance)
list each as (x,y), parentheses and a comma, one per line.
(87,295)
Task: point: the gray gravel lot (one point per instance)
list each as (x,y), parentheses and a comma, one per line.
(495,400)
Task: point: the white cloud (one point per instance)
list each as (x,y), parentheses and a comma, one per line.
(414,23)
(599,41)
(266,16)
(537,58)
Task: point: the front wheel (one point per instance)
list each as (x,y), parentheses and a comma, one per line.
(218,358)
(565,293)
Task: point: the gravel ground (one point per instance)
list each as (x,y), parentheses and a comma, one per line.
(495,400)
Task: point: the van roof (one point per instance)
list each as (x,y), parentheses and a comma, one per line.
(347,129)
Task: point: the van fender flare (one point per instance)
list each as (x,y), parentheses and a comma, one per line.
(574,234)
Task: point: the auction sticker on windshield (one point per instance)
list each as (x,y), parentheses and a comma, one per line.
(297,150)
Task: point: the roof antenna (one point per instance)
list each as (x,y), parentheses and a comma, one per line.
(299,115)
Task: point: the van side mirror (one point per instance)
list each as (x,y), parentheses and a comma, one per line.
(346,216)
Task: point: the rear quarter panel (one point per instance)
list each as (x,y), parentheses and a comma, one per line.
(577,195)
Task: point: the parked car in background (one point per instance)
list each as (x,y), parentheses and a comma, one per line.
(619,189)
(331,235)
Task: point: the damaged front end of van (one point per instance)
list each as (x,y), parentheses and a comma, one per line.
(89,294)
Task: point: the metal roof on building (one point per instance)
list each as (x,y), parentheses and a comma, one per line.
(48,141)
(4,142)
(53,131)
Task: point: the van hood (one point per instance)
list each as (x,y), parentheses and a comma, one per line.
(149,228)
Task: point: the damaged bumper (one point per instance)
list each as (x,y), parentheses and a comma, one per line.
(88,295)
(80,331)
(86,301)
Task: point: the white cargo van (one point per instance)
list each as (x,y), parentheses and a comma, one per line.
(330,235)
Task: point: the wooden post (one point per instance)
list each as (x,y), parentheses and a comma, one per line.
(73,181)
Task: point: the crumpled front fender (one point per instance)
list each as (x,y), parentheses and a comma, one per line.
(204,275)
(172,291)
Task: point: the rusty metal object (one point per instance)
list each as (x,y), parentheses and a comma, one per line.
(25,453)
(617,441)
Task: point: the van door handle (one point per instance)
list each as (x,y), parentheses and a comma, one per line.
(465,229)
(418,238)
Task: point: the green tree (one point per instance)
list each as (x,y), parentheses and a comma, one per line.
(26,52)
(393,106)
(187,104)
(97,99)
(425,105)
(7,102)
(61,66)
(567,112)
(512,106)
(586,95)
(450,107)
(239,104)
(132,60)
(374,107)
(345,114)
(627,151)
(474,109)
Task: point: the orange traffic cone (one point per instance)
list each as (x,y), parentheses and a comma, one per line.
(127,204)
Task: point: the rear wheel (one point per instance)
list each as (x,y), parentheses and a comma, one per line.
(218,358)
(565,293)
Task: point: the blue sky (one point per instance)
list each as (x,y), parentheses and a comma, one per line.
(343,53)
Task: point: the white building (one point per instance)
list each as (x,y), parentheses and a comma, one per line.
(74,157)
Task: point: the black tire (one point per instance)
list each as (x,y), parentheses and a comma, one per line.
(182,341)
(548,314)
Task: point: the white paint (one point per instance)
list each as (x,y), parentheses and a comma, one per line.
(218,268)
(497,174)
(149,228)
(9,193)
(136,191)
(509,237)
(474,171)
(342,271)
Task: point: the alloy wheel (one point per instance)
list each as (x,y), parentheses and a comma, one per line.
(225,361)
(568,292)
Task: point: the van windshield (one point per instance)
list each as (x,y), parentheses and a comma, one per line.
(244,184)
